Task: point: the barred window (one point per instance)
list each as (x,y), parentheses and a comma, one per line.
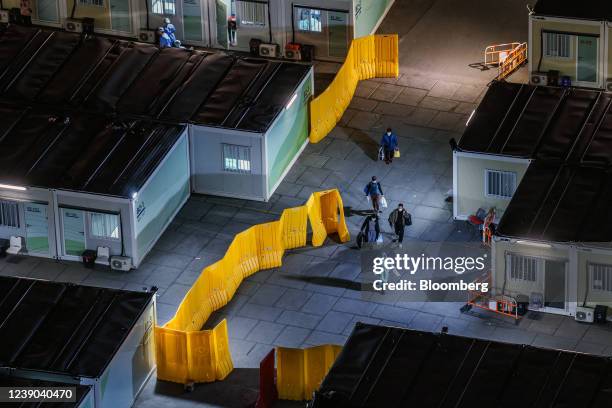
(557,45)
(523,268)
(309,19)
(9,214)
(600,277)
(236,159)
(104,226)
(164,7)
(501,184)
(251,12)
(98,3)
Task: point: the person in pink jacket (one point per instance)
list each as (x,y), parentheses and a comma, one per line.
(25,7)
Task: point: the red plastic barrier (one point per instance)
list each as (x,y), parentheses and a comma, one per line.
(268,394)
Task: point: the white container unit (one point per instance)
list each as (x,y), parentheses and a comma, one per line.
(73,334)
(62,224)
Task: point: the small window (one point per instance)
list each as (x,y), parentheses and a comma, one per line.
(600,277)
(9,214)
(164,7)
(523,268)
(557,45)
(309,19)
(236,159)
(251,13)
(104,226)
(500,184)
(98,3)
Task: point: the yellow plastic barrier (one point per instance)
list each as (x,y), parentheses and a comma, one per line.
(186,353)
(299,372)
(374,56)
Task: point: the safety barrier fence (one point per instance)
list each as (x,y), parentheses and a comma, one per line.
(374,56)
(515,59)
(496,54)
(186,353)
(300,371)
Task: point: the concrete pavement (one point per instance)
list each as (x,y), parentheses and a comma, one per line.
(296,305)
(440,39)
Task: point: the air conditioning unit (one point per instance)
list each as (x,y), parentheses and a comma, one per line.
(147,36)
(73,25)
(293,51)
(584,314)
(4,16)
(609,84)
(539,78)
(121,263)
(269,50)
(293,55)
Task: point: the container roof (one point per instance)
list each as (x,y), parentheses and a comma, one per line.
(588,9)
(79,151)
(393,367)
(542,123)
(567,133)
(564,203)
(112,76)
(62,327)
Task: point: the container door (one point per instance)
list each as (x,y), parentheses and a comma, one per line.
(120,15)
(586,70)
(192,21)
(37,228)
(337,23)
(46,10)
(221,14)
(74,231)
(554,284)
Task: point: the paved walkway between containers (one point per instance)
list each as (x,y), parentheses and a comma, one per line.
(285,306)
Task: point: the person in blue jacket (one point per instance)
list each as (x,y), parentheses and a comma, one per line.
(170,29)
(389,145)
(373,191)
(164,39)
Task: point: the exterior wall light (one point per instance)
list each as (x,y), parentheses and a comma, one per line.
(10,187)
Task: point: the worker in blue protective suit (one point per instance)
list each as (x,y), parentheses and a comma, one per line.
(389,145)
(164,39)
(170,29)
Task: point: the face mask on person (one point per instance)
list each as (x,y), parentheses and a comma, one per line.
(388,133)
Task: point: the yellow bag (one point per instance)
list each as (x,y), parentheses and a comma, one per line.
(396,153)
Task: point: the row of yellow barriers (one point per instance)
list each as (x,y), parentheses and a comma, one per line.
(299,372)
(374,56)
(184,352)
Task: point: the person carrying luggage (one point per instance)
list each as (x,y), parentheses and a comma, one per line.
(373,191)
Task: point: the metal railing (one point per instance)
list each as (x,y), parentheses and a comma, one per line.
(495,54)
(513,61)
(507,57)
(500,304)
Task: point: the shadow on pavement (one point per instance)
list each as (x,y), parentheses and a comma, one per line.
(327,281)
(239,389)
